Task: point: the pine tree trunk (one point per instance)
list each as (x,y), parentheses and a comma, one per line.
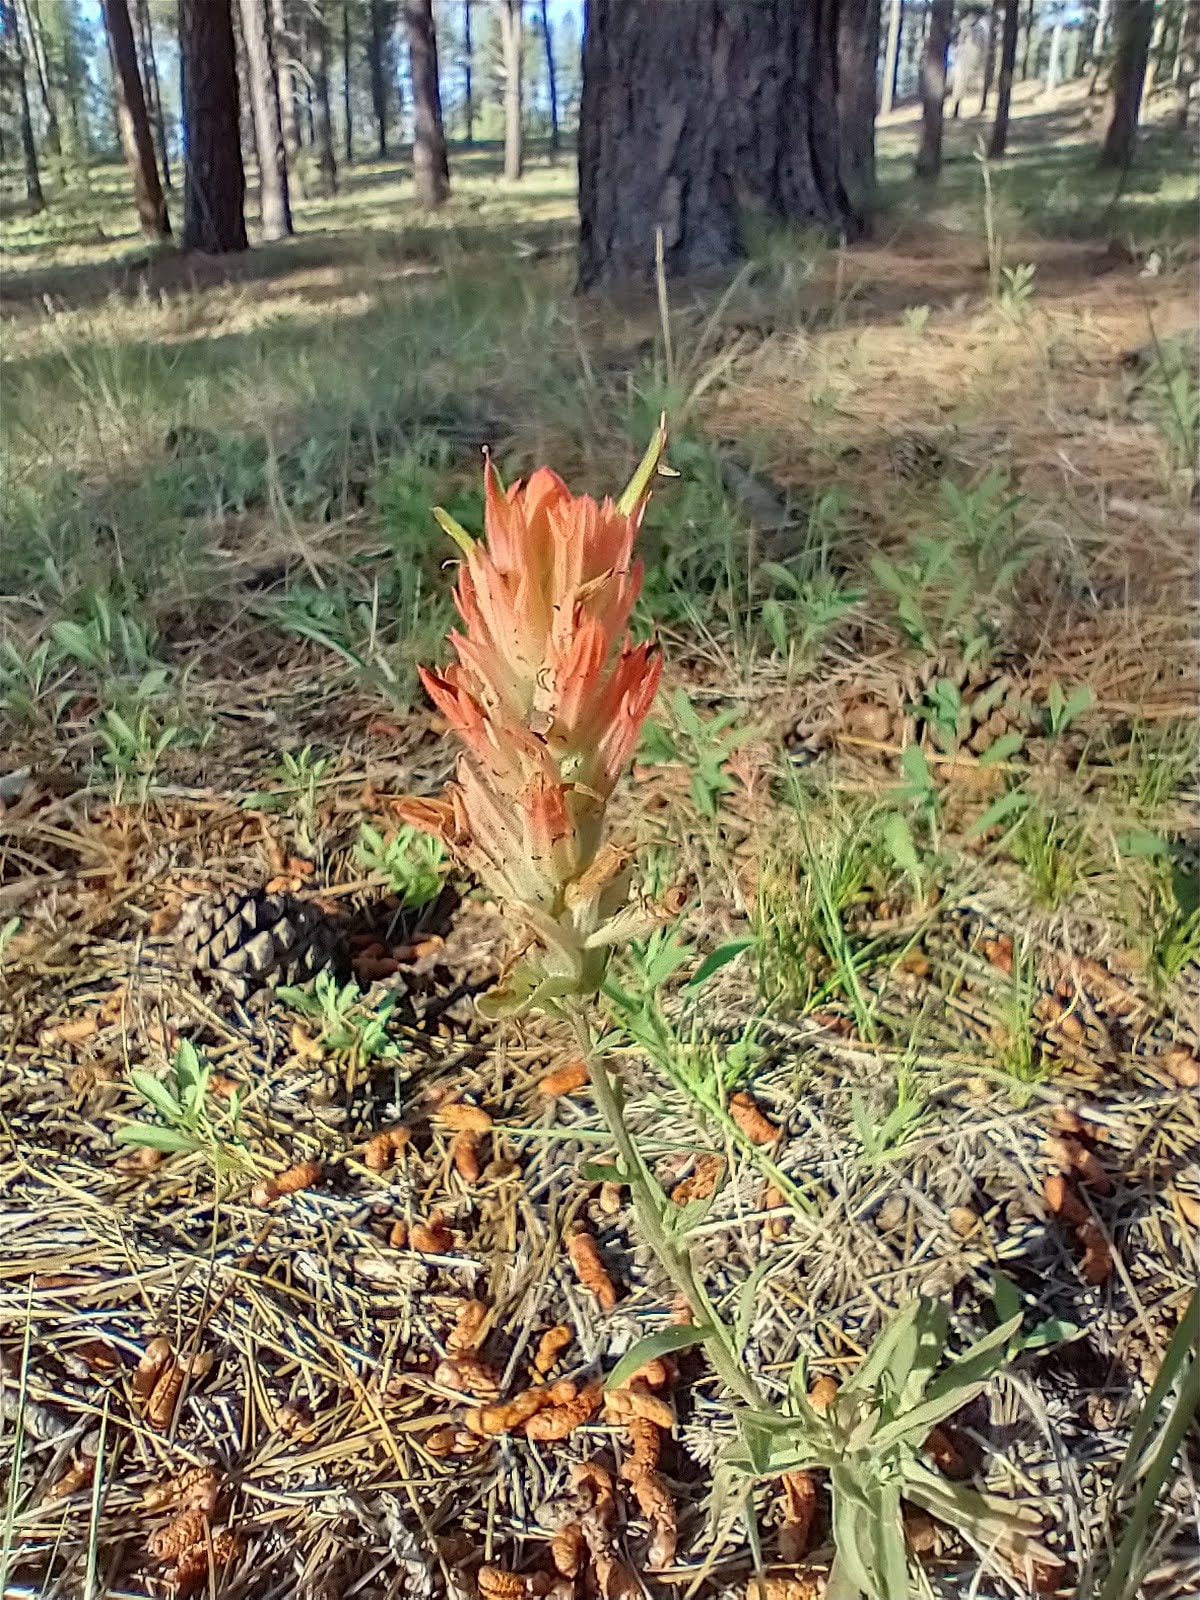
(214,182)
(933,88)
(1187,62)
(891,65)
(347,115)
(551,79)
(153,87)
(511,34)
(133,122)
(1028,40)
(32,25)
(1133,19)
(1054,65)
(1157,49)
(690,112)
(989,61)
(326,163)
(1103,29)
(284,47)
(431,170)
(11,41)
(1008,60)
(468,102)
(274,204)
(375,51)
(1087,41)
(857,69)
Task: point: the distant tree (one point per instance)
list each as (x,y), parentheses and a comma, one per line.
(14,71)
(274,202)
(691,113)
(1104,22)
(133,122)
(857,59)
(286,48)
(1027,47)
(153,87)
(989,59)
(377,64)
(891,64)
(30,22)
(318,37)
(1187,62)
(933,87)
(431,170)
(214,183)
(1008,60)
(1054,61)
(1132,23)
(347,111)
(511,20)
(551,76)
(468,101)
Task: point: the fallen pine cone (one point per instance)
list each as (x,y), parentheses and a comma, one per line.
(1063,1202)
(506,1416)
(584,1254)
(451,1442)
(302,1176)
(655,1504)
(77,1476)
(164,1397)
(1097,1264)
(193,1489)
(496,1584)
(550,1346)
(568,1550)
(149,1369)
(751,1119)
(1077,1159)
(822,1394)
(645,1438)
(1181,1066)
(701,1182)
(192,1569)
(803,1583)
(184,1530)
(635,1400)
(382,1149)
(564,1080)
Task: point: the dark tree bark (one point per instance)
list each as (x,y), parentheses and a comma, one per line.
(989,61)
(376,48)
(284,44)
(551,78)
(14,66)
(133,122)
(1187,61)
(214,183)
(933,88)
(431,169)
(31,22)
(1087,40)
(694,110)
(319,40)
(469,103)
(1133,22)
(511,20)
(857,67)
(347,118)
(153,87)
(1028,40)
(1008,61)
(274,203)
(891,65)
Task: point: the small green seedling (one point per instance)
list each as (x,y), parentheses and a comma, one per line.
(192,1122)
(415,864)
(348,1026)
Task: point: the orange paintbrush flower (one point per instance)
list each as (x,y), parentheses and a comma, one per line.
(548,694)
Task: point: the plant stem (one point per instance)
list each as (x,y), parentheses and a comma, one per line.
(718,1341)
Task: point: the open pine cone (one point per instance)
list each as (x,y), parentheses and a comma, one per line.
(247,939)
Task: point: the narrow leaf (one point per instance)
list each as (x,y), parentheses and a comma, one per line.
(455,529)
(169,1140)
(680,1336)
(159,1096)
(716,959)
(1002,806)
(650,463)
(1007,745)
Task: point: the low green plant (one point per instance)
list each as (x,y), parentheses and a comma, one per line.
(133,741)
(703,744)
(1015,294)
(1015,1046)
(1053,850)
(884,1137)
(1169,934)
(870,1440)
(1171,385)
(915,319)
(798,621)
(348,1026)
(1065,707)
(1156,765)
(415,864)
(193,1120)
(296,782)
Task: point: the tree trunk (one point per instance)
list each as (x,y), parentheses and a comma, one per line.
(551,78)
(1157,52)
(857,70)
(326,163)
(468,101)
(347,116)
(1054,65)
(134,124)
(214,183)
(891,65)
(1187,60)
(431,170)
(692,111)
(153,87)
(1103,28)
(37,46)
(511,19)
(1087,41)
(10,35)
(375,51)
(1133,20)
(989,61)
(1028,40)
(933,88)
(284,47)
(1008,59)
(274,204)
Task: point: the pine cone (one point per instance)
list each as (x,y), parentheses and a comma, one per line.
(992,702)
(916,457)
(247,939)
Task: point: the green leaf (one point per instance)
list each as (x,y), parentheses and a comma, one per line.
(1002,806)
(601,1172)
(157,1093)
(1007,745)
(1006,1298)
(1053,1331)
(898,837)
(747,1297)
(1141,842)
(716,959)
(650,463)
(680,1336)
(455,529)
(170,1140)
(75,642)
(1079,701)
(188,1071)
(916,768)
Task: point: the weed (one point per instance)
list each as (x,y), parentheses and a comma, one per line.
(1053,851)
(133,741)
(1156,765)
(1062,709)
(1168,932)
(1015,1037)
(414,863)
(297,781)
(348,1026)
(915,319)
(703,744)
(884,1138)
(798,624)
(194,1122)
(1172,388)
(1015,295)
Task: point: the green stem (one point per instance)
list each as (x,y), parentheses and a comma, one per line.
(719,1340)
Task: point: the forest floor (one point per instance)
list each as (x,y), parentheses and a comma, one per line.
(926,750)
